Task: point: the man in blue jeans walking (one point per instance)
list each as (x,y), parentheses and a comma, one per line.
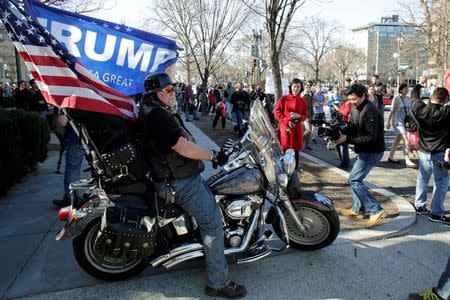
(434,138)
(367,134)
(74,158)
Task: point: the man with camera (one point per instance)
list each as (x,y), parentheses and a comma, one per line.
(434,138)
(365,131)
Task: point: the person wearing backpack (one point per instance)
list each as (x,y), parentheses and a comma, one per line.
(401,105)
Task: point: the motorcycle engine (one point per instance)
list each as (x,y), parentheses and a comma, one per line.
(241,208)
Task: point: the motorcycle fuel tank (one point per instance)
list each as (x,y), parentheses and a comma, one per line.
(241,181)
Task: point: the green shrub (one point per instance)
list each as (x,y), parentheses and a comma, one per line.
(24,137)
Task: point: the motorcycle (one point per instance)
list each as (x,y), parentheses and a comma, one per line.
(117,234)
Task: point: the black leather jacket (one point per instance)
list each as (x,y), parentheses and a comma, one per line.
(434,123)
(367,132)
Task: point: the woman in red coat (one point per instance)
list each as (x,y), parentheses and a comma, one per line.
(290,111)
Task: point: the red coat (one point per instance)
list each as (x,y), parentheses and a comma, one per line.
(285,105)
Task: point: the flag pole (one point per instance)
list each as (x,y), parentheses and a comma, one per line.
(18,69)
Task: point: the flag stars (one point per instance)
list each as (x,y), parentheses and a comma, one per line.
(117,27)
(128,29)
(30,19)
(41,39)
(30,31)
(105,25)
(18,23)
(21,38)
(54,42)
(6,14)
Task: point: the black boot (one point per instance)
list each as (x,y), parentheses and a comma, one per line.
(231,291)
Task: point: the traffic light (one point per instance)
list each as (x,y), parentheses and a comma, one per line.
(254,50)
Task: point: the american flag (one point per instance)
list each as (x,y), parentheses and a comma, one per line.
(61,77)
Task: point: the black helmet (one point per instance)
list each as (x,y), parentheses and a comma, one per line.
(156,82)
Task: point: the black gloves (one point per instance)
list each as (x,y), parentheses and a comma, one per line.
(219,158)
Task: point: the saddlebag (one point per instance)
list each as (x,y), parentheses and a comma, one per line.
(126,233)
(112,141)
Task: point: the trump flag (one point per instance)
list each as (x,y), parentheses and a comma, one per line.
(52,52)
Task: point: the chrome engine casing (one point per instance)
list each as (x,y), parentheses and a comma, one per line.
(242,208)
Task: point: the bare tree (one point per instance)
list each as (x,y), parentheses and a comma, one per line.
(278,16)
(430,19)
(347,60)
(205,29)
(317,40)
(77,6)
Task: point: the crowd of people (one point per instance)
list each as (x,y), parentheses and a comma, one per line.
(297,117)
(26,95)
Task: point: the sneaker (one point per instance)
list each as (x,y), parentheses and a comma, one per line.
(347,212)
(376,218)
(231,291)
(421,210)
(425,295)
(440,219)
(61,203)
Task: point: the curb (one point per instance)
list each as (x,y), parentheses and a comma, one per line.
(404,222)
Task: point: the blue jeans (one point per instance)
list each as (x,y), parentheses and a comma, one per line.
(428,164)
(443,288)
(363,201)
(74,158)
(194,196)
(343,155)
(240,114)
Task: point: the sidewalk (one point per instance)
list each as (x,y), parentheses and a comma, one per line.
(37,264)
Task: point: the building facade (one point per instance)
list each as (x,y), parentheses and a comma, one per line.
(382,44)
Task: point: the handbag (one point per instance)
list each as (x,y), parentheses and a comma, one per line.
(409,121)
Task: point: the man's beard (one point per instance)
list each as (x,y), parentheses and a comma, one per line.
(173,104)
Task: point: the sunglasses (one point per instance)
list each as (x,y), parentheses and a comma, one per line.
(168,89)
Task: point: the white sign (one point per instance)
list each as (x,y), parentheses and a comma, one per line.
(270,89)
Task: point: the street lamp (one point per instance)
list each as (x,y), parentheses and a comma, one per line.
(397,56)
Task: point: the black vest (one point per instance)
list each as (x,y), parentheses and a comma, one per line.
(165,166)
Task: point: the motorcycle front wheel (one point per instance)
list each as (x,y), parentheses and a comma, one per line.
(322,226)
(106,268)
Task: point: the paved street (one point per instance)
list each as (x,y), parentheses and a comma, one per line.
(37,266)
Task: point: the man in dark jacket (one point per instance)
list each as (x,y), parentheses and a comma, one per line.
(240,100)
(434,138)
(366,133)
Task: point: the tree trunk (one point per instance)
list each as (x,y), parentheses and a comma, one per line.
(316,71)
(203,95)
(276,75)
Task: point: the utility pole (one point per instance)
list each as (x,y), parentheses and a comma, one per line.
(18,70)
(256,54)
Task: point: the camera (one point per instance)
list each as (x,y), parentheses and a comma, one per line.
(444,165)
(331,131)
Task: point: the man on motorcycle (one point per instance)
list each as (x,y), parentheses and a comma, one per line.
(175,162)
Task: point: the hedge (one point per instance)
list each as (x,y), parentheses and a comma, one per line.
(24,137)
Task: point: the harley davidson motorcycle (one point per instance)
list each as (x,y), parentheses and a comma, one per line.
(117,233)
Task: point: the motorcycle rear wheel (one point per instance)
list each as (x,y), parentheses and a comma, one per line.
(110,269)
(322,226)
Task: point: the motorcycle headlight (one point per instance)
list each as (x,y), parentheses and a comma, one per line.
(283,180)
(289,161)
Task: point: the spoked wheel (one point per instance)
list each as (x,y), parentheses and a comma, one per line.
(322,226)
(90,259)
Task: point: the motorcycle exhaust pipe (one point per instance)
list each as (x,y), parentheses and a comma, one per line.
(181,252)
(182,258)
